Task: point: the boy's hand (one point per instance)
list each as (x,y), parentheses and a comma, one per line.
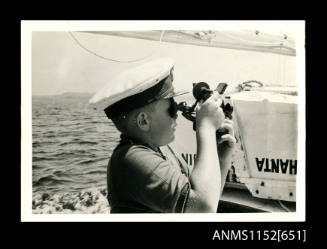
(226,142)
(209,114)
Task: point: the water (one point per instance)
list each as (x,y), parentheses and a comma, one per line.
(72,144)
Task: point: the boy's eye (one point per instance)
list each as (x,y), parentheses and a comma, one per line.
(172,110)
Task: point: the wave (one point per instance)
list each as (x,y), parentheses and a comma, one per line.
(88,142)
(93,172)
(53,113)
(71,153)
(97,122)
(50,180)
(89,161)
(38,159)
(59,173)
(76,141)
(42,143)
(40,152)
(50,136)
(34,167)
(85,202)
(72,123)
(40,125)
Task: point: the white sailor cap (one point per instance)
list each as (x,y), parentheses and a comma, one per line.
(137,87)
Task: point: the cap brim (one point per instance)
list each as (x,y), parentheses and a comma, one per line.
(175,94)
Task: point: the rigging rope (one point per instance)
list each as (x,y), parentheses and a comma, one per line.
(242,86)
(284,207)
(110,59)
(283,36)
(253,42)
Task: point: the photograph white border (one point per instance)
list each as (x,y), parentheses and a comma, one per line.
(27,27)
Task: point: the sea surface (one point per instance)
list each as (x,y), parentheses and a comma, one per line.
(72,144)
(71,147)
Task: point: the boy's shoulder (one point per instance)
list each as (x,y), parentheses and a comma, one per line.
(135,157)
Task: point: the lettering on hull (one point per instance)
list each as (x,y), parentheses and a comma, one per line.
(189,158)
(283,166)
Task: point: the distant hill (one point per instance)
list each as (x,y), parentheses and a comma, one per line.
(76,94)
(68,95)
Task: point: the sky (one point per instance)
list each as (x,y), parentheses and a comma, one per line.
(59,64)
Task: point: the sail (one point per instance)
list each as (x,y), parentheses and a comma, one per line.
(234,39)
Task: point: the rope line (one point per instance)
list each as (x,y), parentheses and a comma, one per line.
(244,84)
(277,44)
(110,59)
(283,206)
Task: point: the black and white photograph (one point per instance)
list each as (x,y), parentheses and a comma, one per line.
(163,120)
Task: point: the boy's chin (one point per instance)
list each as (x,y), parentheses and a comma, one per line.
(172,139)
(168,141)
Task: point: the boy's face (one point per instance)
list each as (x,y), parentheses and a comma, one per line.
(162,129)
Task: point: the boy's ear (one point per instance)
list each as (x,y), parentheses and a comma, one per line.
(143,121)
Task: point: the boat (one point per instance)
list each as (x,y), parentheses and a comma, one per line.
(262,177)
(263,174)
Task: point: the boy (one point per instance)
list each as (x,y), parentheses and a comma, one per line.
(144,175)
